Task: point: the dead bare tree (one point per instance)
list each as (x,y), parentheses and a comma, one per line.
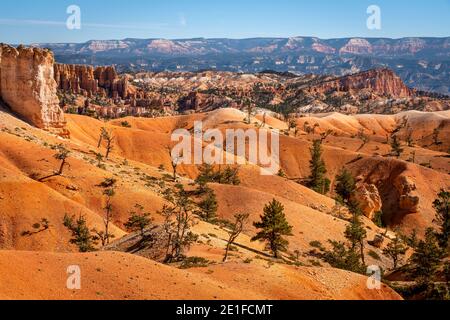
(105,236)
(364,138)
(174,161)
(102,134)
(235,231)
(109,138)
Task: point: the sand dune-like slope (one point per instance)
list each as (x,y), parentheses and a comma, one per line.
(140,147)
(110,275)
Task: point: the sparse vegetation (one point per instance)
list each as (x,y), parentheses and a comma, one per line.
(208,206)
(109,192)
(178,222)
(125,124)
(426,258)
(61,155)
(236,229)
(194,262)
(396,147)
(395,250)
(208,175)
(317,181)
(274,227)
(442,207)
(81,235)
(345,186)
(138,220)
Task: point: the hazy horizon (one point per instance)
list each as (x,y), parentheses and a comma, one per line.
(112,20)
(218,38)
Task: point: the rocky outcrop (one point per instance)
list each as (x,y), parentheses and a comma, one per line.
(409,200)
(28,88)
(90,81)
(368,198)
(382,82)
(357,46)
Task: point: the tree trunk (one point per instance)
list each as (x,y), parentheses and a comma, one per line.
(363,258)
(225,258)
(61,168)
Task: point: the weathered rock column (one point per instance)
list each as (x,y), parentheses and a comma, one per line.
(28,87)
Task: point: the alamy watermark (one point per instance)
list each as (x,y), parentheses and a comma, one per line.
(374,280)
(74,277)
(231,147)
(73,22)
(374,20)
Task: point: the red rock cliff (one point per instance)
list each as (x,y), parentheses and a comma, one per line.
(28,87)
(380,81)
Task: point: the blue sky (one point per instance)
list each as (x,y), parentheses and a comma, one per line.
(30,21)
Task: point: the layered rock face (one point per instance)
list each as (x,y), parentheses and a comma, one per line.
(28,87)
(90,81)
(380,81)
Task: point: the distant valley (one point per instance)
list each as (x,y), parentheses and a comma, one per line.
(422,63)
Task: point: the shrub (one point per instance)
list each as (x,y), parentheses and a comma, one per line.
(194,262)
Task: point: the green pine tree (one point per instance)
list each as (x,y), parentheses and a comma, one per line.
(442,205)
(138,220)
(426,258)
(317,180)
(396,147)
(81,235)
(209,206)
(273,227)
(355,233)
(395,250)
(342,257)
(345,186)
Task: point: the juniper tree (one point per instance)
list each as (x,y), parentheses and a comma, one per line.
(317,180)
(274,227)
(442,205)
(236,229)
